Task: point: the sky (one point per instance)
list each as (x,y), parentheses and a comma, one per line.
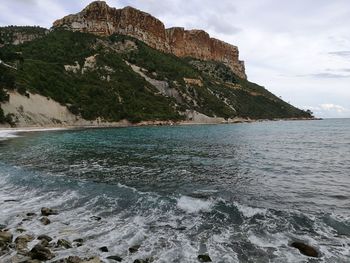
(299,50)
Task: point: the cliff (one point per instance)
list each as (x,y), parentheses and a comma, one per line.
(100,19)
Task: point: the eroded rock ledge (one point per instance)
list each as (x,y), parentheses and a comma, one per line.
(98,18)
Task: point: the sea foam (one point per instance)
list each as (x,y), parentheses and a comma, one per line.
(193,205)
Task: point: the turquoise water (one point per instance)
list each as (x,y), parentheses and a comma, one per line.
(241,193)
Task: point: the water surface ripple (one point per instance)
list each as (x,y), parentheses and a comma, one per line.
(241,193)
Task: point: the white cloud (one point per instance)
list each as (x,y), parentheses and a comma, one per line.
(330,106)
(327,110)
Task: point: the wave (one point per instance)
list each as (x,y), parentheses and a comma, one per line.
(6,134)
(248,211)
(193,205)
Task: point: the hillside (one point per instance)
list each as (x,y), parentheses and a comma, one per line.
(116,77)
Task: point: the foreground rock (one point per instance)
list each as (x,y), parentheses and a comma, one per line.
(41,253)
(44,237)
(75,259)
(5,241)
(64,243)
(147,260)
(22,242)
(204,258)
(115,258)
(305,249)
(6,237)
(103,249)
(45,221)
(45,211)
(134,249)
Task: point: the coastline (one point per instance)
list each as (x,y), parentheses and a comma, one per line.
(125,124)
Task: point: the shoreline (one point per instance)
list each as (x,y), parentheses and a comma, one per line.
(124,124)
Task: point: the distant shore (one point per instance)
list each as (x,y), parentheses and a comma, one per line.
(124,124)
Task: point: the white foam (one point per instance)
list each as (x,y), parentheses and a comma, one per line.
(248,211)
(6,134)
(193,205)
(12,133)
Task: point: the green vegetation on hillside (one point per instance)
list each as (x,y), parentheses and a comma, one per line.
(11,33)
(90,75)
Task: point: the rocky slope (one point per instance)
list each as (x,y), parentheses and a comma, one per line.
(98,18)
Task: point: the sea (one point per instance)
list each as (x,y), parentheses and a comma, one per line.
(236,192)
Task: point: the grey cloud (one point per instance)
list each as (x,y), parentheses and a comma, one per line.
(325,75)
(217,24)
(338,70)
(345,53)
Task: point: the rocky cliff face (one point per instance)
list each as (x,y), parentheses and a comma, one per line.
(98,18)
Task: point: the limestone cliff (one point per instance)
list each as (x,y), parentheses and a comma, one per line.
(98,18)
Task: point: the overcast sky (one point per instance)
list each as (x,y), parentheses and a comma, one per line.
(299,50)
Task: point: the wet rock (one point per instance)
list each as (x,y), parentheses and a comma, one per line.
(78,242)
(2,227)
(22,259)
(31,214)
(71,259)
(21,243)
(6,236)
(96,218)
(45,211)
(147,260)
(305,249)
(103,249)
(4,248)
(92,260)
(44,237)
(45,221)
(41,253)
(64,243)
(134,249)
(45,243)
(3,245)
(116,258)
(74,259)
(204,258)
(20,230)
(10,201)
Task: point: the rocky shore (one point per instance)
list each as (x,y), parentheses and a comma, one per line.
(20,245)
